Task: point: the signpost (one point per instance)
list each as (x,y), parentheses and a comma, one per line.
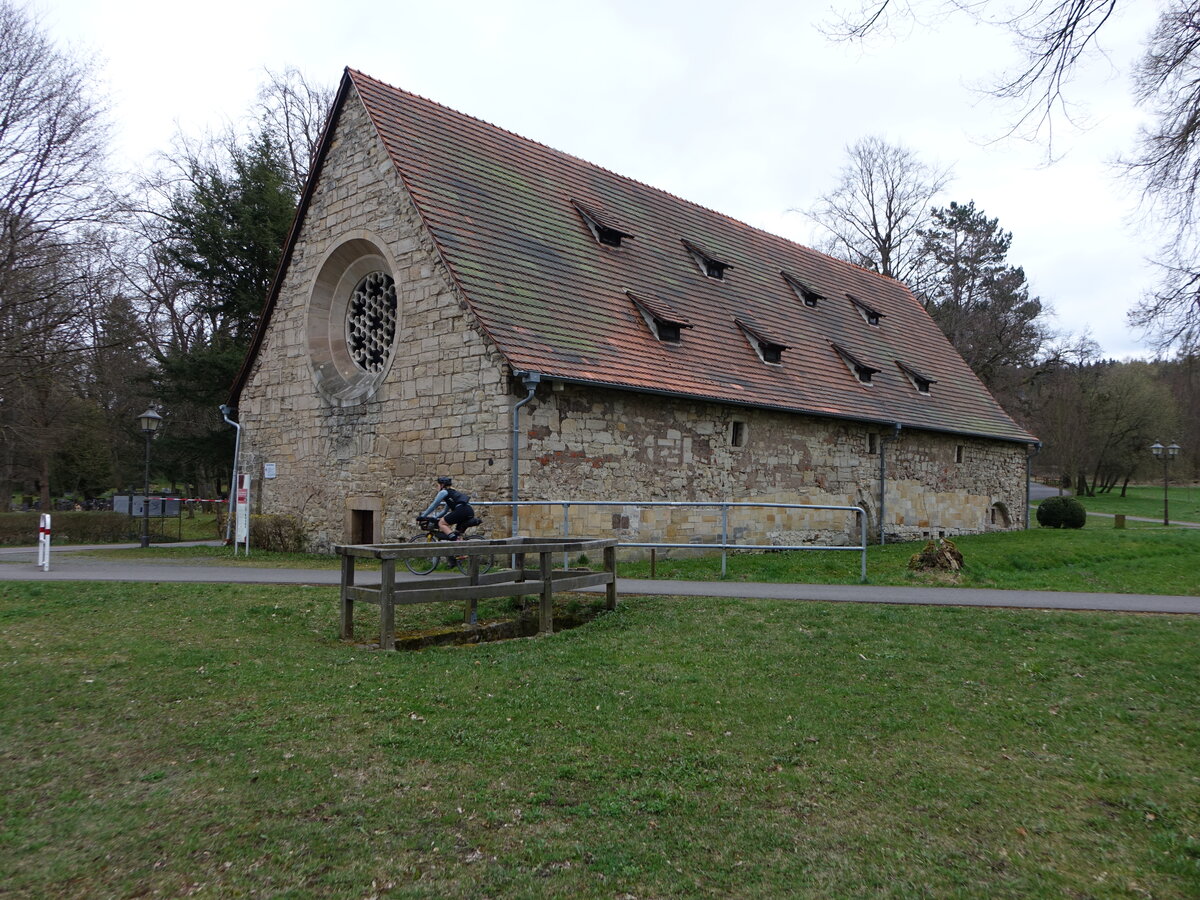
(241,532)
(44,543)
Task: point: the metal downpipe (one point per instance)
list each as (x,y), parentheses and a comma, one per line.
(531,380)
(237,450)
(883,441)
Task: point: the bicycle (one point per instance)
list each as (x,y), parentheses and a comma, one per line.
(430,533)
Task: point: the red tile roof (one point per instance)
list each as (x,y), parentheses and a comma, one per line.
(505,212)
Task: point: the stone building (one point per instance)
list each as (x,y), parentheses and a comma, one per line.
(456,299)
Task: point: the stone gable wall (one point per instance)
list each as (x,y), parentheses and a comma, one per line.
(443,406)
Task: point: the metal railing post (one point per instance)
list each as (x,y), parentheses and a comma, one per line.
(566,529)
(724,537)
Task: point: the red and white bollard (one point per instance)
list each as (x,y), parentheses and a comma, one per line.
(44,543)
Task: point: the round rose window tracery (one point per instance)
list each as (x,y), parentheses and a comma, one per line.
(371,321)
(354,320)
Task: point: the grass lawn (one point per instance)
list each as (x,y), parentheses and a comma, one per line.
(1098,558)
(219,741)
(1142,559)
(1147,500)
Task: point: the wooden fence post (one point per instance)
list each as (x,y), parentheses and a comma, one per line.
(610,566)
(387,605)
(546,610)
(347,600)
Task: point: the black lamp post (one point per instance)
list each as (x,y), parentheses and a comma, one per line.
(1166,454)
(149,422)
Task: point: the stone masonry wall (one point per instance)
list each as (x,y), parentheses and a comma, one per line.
(443,406)
(595,444)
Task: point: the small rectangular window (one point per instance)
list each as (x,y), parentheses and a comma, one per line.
(737,434)
(668,331)
(958,453)
(872,443)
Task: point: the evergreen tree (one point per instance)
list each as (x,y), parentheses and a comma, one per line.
(225,228)
(979,300)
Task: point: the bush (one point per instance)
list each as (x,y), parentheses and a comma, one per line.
(1061,512)
(281,534)
(91,527)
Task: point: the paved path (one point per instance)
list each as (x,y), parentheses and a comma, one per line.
(19,564)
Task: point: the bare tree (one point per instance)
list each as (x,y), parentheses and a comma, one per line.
(875,213)
(52,140)
(1053,36)
(293,112)
(1057,37)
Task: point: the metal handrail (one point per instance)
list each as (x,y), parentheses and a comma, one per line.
(724,506)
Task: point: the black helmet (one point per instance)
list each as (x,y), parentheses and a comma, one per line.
(444,480)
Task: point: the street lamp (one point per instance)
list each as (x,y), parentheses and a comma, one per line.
(148,422)
(1166,454)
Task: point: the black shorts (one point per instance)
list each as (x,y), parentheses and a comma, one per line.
(460,515)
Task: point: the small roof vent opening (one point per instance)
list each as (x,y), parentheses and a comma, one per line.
(920,381)
(860,369)
(664,323)
(602,227)
(870,315)
(768,349)
(709,264)
(807,295)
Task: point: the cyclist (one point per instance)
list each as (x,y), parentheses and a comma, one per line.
(453,523)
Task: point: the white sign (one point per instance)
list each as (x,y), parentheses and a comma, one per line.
(268,470)
(241,522)
(44,543)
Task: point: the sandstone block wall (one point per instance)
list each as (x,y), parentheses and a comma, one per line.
(443,406)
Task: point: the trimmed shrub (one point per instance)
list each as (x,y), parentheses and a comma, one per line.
(89,527)
(1061,512)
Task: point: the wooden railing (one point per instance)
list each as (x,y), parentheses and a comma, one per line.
(469,589)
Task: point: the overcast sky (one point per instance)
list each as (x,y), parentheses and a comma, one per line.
(746,109)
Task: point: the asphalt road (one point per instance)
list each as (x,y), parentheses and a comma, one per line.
(20,564)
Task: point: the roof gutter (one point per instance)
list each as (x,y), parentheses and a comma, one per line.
(531,380)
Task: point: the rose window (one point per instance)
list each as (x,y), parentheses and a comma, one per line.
(371,321)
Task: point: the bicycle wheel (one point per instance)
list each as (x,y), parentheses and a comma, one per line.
(486,562)
(421,565)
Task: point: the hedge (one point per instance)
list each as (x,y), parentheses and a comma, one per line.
(89,527)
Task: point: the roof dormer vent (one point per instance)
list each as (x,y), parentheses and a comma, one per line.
(809,297)
(602,227)
(768,349)
(861,370)
(921,382)
(709,264)
(664,322)
(870,315)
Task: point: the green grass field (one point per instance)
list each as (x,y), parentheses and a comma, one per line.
(219,741)
(1142,559)
(1147,501)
